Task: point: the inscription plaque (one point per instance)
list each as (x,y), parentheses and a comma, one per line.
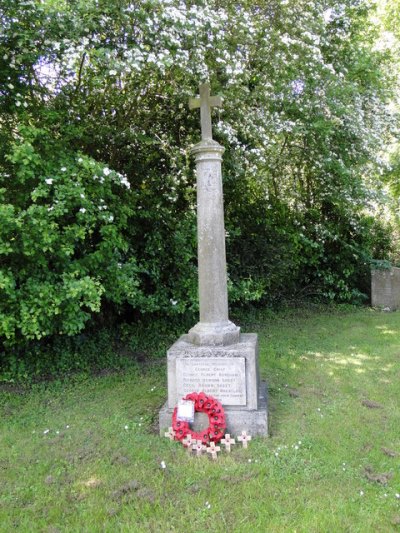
(223,378)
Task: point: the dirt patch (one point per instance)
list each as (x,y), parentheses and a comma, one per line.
(389,452)
(120,459)
(377,478)
(193,489)
(92,483)
(396,520)
(146,494)
(371,404)
(127,488)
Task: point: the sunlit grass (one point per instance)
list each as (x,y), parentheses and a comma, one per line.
(84,455)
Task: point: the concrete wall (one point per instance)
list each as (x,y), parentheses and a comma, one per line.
(385,288)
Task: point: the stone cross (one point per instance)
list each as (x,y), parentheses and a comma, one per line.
(213,450)
(228,441)
(244,438)
(199,447)
(205,102)
(170,434)
(214,327)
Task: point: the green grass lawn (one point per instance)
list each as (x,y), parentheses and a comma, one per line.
(83,455)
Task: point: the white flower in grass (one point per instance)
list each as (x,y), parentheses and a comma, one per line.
(80,160)
(10,86)
(173,302)
(397,495)
(163,465)
(18,103)
(82,195)
(82,210)
(45,431)
(126,427)
(63,169)
(112,72)
(111,218)
(49,181)
(106,171)
(361,493)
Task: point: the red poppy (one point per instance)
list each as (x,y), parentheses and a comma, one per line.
(203,404)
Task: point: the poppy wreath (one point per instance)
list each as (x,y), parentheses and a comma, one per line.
(202,404)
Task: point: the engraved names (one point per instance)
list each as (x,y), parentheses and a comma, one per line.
(223,378)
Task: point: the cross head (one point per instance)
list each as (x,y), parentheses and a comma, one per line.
(170,434)
(198,447)
(213,450)
(244,438)
(188,442)
(228,441)
(205,102)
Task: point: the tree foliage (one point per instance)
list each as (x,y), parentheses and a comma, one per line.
(97,191)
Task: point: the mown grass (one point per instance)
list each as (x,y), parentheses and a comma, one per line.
(314,474)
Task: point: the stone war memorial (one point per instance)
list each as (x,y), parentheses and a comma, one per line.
(215,357)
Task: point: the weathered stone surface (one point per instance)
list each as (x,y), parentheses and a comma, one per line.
(185,355)
(214,327)
(385,288)
(221,377)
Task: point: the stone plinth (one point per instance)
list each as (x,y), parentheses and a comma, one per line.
(385,288)
(228,373)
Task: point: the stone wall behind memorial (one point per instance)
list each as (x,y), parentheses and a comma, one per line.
(385,288)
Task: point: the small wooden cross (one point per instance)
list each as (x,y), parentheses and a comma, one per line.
(170,434)
(244,438)
(198,447)
(228,441)
(205,102)
(188,443)
(213,450)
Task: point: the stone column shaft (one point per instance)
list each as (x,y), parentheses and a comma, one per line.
(214,326)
